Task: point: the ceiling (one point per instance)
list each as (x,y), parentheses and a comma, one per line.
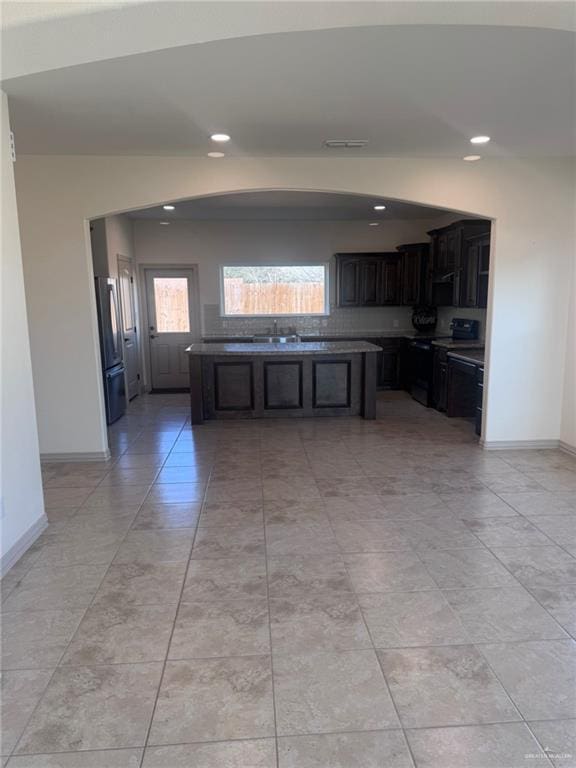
(16,12)
(410,91)
(283,205)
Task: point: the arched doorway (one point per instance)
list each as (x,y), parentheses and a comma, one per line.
(285,226)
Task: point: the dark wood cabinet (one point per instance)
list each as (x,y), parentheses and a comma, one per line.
(370,275)
(367,279)
(483,269)
(479,398)
(462,390)
(388,362)
(390,281)
(440,379)
(456,263)
(470,269)
(475,270)
(388,370)
(414,261)
(348,281)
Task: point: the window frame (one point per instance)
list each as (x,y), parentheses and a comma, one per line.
(324,264)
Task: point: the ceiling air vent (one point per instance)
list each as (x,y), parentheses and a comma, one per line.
(345,143)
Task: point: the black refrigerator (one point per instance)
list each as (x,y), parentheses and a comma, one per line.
(111,348)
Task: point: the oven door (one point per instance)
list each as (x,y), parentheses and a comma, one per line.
(421,356)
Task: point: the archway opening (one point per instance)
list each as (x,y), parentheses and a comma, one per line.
(309,264)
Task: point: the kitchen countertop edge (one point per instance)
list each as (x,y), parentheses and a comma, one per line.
(293,348)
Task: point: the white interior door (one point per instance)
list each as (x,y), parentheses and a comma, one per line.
(171,326)
(129,330)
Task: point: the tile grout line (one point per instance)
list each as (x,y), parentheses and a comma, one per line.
(374,650)
(57,667)
(176,614)
(274,706)
(58,664)
(416,552)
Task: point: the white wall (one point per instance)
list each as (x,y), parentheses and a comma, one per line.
(110,237)
(568,431)
(531,202)
(22,515)
(210,244)
(119,241)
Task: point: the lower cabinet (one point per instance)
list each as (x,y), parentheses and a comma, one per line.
(462,388)
(440,379)
(479,398)
(389,363)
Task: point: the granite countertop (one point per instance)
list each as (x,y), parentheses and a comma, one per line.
(450,344)
(298,348)
(469,356)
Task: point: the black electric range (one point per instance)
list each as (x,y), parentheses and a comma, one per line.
(421,358)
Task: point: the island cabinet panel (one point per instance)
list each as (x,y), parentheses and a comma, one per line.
(239,387)
(332,384)
(282,385)
(233,386)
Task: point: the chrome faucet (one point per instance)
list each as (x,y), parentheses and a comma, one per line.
(275,328)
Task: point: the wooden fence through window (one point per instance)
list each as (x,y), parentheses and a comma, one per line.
(272,298)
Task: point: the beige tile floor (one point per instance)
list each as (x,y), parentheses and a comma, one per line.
(296,594)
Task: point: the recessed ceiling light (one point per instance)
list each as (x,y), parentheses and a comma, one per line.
(472,158)
(165,223)
(169,207)
(215,154)
(379,207)
(374,224)
(346,143)
(220,137)
(480,140)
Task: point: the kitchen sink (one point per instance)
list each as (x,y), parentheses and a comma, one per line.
(290,339)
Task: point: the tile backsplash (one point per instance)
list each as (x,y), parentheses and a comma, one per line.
(364,320)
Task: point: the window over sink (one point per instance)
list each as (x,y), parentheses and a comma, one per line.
(268,291)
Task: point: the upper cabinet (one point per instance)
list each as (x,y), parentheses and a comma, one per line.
(348,280)
(450,271)
(413,273)
(459,268)
(475,268)
(367,279)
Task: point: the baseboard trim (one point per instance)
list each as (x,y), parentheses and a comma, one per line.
(567,448)
(24,543)
(519,445)
(77,456)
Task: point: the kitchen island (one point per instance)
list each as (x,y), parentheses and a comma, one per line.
(300,379)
